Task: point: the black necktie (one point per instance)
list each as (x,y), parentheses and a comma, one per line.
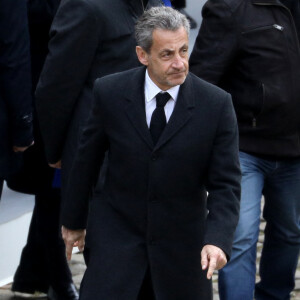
(158,119)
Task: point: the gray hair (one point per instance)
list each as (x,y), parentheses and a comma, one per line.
(161,17)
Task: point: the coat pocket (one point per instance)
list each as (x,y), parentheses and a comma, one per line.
(263,28)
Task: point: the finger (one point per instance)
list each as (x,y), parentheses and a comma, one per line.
(81,245)
(204,259)
(56,165)
(69,249)
(19,149)
(63,233)
(221,262)
(212,267)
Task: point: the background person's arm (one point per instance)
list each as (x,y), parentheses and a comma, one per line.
(74,38)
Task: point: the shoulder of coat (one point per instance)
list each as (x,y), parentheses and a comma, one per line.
(234,4)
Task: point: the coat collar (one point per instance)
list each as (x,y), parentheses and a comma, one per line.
(136,108)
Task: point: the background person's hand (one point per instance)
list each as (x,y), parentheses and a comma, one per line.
(22,149)
(56,165)
(212,258)
(73,238)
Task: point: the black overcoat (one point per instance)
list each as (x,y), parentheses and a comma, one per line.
(152,211)
(88,39)
(251,49)
(15,85)
(35,175)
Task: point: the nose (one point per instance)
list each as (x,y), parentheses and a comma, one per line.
(178,62)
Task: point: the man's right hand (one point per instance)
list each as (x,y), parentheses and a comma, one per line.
(212,258)
(73,238)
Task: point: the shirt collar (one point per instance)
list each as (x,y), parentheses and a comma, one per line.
(151,89)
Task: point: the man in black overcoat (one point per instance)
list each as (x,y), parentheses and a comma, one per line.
(153,231)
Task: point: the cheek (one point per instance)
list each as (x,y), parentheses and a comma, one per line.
(186,64)
(164,69)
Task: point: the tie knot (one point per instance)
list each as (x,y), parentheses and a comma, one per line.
(162,99)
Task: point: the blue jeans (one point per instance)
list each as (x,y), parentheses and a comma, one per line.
(279,182)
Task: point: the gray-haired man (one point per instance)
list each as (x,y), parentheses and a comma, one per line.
(171,138)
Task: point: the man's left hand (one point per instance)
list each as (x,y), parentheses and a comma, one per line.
(73,238)
(212,258)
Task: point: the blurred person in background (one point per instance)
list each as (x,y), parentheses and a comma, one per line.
(15,87)
(181,5)
(250,48)
(88,39)
(43,266)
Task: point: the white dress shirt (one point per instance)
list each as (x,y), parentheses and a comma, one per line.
(151,90)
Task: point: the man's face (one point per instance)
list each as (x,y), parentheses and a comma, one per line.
(167,61)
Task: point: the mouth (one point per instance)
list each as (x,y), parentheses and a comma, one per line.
(177,73)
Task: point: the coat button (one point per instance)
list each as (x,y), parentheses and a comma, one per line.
(151,241)
(153,199)
(154,157)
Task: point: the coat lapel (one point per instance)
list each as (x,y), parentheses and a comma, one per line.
(181,114)
(135,109)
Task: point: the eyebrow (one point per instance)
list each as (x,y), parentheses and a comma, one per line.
(185,46)
(172,50)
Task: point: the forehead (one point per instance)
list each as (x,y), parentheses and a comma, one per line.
(169,39)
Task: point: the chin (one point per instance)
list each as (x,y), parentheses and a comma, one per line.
(178,81)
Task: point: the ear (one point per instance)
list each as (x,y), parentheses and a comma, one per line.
(142,55)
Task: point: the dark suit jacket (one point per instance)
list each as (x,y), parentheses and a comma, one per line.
(36,176)
(88,39)
(15,84)
(153,208)
(250,48)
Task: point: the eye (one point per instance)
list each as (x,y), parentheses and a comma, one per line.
(166,54)
(184,50)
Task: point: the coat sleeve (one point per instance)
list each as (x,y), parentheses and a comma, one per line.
(15,73)
(74,38)
(217,42)
(223,182)
(86,167)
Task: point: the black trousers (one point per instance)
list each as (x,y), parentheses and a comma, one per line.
(146,292)
(43,260)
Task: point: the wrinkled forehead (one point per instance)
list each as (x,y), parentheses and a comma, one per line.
(162,38)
